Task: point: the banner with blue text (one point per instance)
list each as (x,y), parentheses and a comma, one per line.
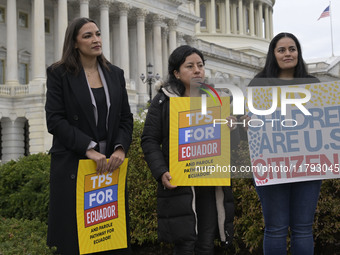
(101,215)
(199,148)
(294,132)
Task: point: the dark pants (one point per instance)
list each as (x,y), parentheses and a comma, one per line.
(206,225)
(289,205)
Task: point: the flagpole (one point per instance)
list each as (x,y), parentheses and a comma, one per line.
(330,18)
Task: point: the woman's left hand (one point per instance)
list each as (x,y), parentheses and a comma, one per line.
(116,159)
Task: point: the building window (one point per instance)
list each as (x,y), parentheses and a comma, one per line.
(23,73)
(2,15)
(23,19)
(47,26)
(26,139)
(237,20)
(2,71)
(247,21)
(263,27)
(218,23)
(203,12)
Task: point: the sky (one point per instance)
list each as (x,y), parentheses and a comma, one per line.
(300,17)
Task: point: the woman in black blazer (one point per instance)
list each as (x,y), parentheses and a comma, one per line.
(88,114)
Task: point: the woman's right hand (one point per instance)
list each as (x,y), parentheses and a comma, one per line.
(166,177)
(245,119)
(99,158)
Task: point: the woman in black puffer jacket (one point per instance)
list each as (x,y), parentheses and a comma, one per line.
(189,217)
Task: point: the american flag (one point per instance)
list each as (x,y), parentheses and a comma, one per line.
(325,13)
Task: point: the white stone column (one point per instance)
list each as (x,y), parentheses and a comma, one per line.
(12,138)
(157,44)
(198,14)
(227,16)
(55,31)
(172,24)
(251,18)
(165,52)
(84,8)
(124,38)
(115,40)
(141,55)
(38,41)
(212,16)
(37,130)
(266,22)
(240,18)
(12,47)
(104,27)
(260,20)
(62,25)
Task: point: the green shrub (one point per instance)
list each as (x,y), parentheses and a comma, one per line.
(249,223)
(142,189)
(327,218)
(23,237)
(24,188)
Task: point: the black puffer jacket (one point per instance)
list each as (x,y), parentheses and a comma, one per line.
(175,208)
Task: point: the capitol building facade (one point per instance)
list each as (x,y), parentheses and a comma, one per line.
(232,34)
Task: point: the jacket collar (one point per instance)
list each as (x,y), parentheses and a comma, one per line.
(169,92)
(78,84)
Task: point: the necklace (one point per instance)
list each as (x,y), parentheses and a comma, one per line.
(89,73)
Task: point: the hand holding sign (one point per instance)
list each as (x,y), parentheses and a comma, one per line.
(116,159)
(99,158)
(166,177)
(101,216)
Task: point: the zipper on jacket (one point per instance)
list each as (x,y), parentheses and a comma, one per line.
(194,207)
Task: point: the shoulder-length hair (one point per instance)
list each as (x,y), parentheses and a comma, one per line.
(176,59)
(70,57)
(272,69)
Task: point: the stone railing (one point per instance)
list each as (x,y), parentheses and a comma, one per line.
(320,67)
(13,90)
(33,88)
(231,55)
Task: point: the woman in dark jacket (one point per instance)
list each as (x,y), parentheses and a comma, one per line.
(290,205)
(88,114)
(189,217)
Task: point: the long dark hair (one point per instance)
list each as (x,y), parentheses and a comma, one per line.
(70,57)
(176,59)
(272,69)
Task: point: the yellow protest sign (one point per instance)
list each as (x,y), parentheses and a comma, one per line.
(199,142)
(101,215)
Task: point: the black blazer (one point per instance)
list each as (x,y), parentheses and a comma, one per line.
(69,111)
(70,119)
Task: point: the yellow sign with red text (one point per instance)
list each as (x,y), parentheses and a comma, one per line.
(199,142)
(101,217)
